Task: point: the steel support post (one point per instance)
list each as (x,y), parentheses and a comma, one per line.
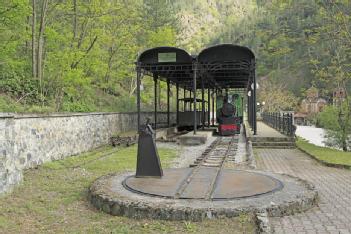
(213,108)
(208,107)
(202,103)
(155,101)
(291,123)
(159,95)
(251,110)
(255,107)
(138,96)
(184,96)
(242,109)
(168,109)
(248,108)
(190,96)
(194,88)
(177,97)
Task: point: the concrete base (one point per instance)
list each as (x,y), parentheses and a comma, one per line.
(109,195)
(164,132)
(190,139)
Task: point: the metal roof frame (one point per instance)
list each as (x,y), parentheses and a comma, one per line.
(219,67)
(178,72)
(227,65)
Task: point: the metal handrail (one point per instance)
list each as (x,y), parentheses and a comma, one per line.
(281,122)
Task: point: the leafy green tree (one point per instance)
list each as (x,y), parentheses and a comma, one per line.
(276,97)
(79,55)
(334,120)
(333,71)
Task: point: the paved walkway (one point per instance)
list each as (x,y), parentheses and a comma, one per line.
(333,214)
(263,130)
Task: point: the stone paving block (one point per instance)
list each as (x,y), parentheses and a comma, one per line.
(299,228)
(309,227)
(344,231)
(333,185)
(331,228)
(279,230)
(289,231)
(311,232)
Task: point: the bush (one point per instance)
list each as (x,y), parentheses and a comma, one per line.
(19,86)
(328,118)
(8,105)
(334,120)
(77,106)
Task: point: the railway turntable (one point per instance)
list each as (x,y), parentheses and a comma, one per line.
(210,187)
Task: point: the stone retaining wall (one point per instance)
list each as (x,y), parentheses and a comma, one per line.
(29,140)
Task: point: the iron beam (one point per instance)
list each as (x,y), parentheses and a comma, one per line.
(255,105)
(202,103)
(168,109)
(138,96)
(191,106)
(213,107)
(184,95)
(155,101)
(194,88)
(177,97)
(208,107)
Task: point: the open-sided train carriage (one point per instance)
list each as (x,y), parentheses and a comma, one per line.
(186,115)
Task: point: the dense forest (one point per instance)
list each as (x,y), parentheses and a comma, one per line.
(79,55)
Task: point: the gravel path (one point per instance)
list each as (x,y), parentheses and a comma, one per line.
(186,154)
(333,214)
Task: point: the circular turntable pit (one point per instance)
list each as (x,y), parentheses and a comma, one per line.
(204,183)
(184,194)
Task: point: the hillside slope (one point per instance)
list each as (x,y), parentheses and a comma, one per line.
(202,22)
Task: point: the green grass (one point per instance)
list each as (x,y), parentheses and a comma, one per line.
(53,199)
(326,154)
(8,104)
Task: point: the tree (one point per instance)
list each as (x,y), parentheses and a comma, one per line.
(276,97)
(333,120)
(334,72)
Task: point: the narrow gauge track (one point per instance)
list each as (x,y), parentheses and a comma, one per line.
(201,181)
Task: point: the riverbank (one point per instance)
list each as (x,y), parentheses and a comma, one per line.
(326,156)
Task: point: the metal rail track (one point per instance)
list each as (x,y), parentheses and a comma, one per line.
(213,158)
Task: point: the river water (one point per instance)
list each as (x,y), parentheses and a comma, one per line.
(312,134)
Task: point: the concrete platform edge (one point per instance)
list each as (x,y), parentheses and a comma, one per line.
(121,202)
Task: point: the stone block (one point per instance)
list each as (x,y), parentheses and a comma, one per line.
(27,141)
(192,140)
